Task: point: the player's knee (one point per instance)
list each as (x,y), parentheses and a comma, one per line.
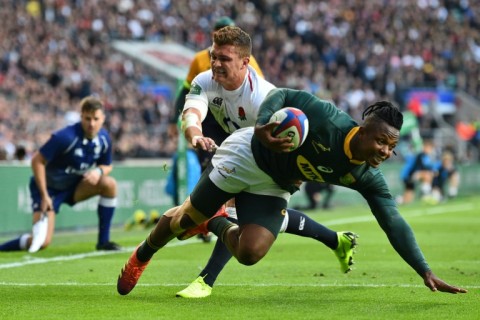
(249,258)
(251,253)
(109,184)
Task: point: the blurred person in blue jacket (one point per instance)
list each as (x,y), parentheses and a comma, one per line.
(71,167)
(418,168)
(194,171)
(447,179)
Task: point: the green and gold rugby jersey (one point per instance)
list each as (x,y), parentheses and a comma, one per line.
(325,156)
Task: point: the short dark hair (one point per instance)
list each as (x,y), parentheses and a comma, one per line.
(91,104)
(384,111)
(236,37)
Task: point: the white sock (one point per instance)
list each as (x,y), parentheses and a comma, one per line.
(232,212)
(452,191)
(23,241)
(284,223)
(426,188)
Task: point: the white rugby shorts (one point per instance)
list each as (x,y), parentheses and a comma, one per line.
(235,169)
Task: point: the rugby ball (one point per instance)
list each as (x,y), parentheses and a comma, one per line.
(293,124)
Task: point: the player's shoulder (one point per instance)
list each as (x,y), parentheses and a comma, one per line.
(253,73)
(200,62)
(375,172)
(64,137)
(205,76)
(260,83)
(371,180)
(377,179)
(204,81)
(68,132)
(202,55)
(253,63)
(308,102)
(104,134)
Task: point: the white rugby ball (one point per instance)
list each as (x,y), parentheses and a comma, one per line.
(293,124)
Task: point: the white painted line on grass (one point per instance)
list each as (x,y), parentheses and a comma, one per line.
(265,285)
(32,260)
(407,213)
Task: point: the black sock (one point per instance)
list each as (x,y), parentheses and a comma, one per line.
(218,226)
(145,252)
(300,224)
(219,258)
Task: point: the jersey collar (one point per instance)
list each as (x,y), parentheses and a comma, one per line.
(95,140)
(346,146)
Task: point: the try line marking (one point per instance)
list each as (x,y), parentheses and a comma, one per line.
(364,218)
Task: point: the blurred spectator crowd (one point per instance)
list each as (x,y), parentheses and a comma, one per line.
(54,52)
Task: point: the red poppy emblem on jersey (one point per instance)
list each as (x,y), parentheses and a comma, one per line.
(241,113)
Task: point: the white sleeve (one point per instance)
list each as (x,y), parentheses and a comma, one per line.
(198,104)
(197,97)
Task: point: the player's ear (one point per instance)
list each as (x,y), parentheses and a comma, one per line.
(362,131)
(246,61)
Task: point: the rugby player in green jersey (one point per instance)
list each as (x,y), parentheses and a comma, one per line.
(256,168)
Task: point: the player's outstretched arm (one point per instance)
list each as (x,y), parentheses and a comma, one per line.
(437,284)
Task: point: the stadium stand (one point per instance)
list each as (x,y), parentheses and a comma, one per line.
(55,52)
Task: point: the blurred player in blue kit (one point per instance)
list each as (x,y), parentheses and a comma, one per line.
(72,166)
(447,178)
(418,168)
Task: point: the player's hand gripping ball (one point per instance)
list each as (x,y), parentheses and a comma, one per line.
(293,124)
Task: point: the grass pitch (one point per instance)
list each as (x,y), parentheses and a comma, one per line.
(298,279)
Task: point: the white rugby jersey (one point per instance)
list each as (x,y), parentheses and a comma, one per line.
(232,109)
